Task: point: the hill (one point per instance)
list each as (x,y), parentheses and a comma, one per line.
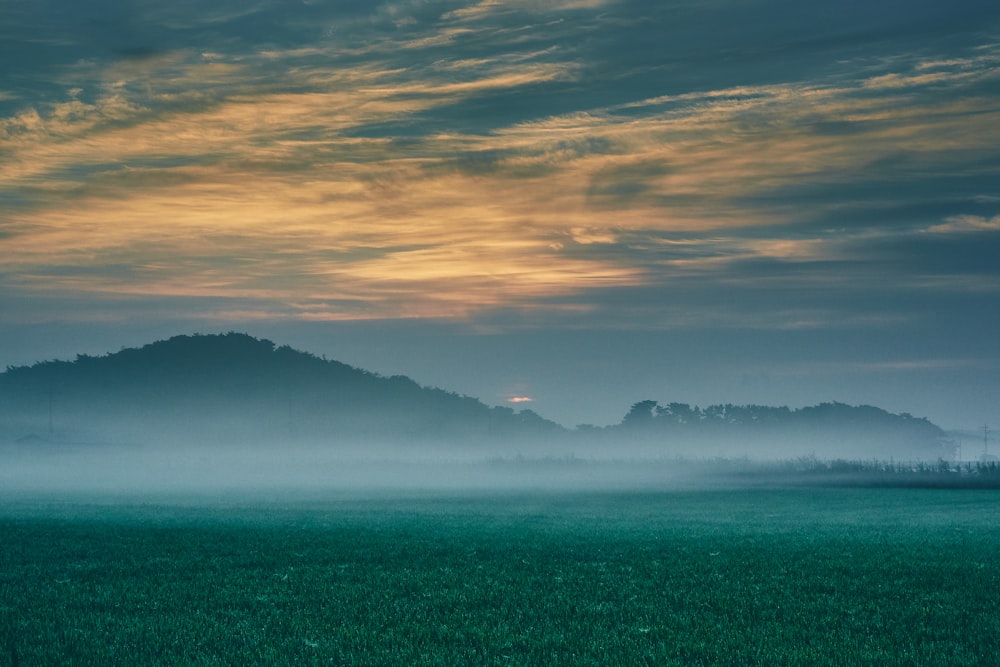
(828,431)
(235,388)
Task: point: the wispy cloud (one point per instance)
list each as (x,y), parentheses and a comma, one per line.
(451,162)
(967,223)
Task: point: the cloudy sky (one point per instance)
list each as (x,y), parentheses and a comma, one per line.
(584,202)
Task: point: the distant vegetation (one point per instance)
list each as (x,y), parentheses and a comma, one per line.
(236,388)
(828,430)
(940,474)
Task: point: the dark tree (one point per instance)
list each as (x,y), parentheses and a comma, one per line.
(640,414)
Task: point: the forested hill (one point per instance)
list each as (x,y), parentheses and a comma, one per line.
(828,430)
(236,387)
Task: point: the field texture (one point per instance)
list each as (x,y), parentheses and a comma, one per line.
(750,577)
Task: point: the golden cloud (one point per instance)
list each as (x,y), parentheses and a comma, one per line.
(278,196)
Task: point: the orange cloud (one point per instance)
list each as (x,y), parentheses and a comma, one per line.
(278,197)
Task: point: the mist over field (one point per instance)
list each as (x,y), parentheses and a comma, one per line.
(298,472)
(303,472)
(232,414)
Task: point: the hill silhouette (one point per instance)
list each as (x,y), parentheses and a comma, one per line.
(233,388)
(827,430)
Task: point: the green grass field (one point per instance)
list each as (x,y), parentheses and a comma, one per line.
(737,577)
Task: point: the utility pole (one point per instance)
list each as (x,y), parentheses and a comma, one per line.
(986,441)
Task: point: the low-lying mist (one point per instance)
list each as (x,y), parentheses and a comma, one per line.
(363,468)
(280,470)
(229,413)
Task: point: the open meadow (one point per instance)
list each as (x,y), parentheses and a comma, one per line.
(793,576)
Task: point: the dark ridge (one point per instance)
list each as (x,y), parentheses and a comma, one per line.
(234,388)
(829,430)
(209,387)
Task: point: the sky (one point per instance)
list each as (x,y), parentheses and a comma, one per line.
(585,203)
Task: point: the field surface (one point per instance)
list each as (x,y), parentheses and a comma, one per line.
(716,577)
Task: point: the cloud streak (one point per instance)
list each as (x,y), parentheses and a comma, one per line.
(450,160)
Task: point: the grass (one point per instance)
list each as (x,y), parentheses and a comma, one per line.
(739,577)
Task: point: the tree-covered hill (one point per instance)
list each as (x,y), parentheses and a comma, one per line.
(827,430)
(233,389)
(236,387)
